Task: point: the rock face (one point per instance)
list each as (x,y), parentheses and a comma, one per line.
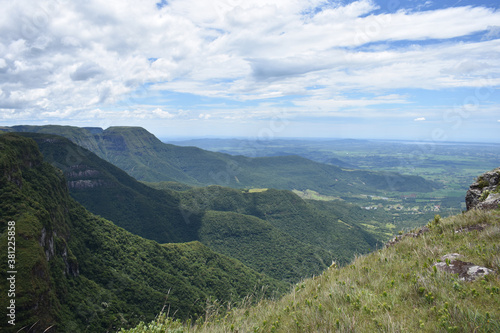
(485,192)
(81,176)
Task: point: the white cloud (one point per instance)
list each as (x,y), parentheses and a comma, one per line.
(419,119)
(86,71)
(63,59)
(162,114)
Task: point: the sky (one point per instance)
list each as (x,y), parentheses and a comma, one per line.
(396,69)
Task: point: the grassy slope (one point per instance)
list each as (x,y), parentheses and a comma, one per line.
(80,272)
(146,158)
(394,289)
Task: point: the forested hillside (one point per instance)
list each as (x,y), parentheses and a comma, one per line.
(272,231)
(337,230)
(76,272)
(145,157)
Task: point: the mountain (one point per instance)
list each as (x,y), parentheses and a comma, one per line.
(275,147)
(146,158)
(72,271)
(273,231)
(439,278)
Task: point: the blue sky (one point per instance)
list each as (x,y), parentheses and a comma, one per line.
(400,69)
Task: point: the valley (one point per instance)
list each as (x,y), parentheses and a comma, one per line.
(454,165)
(78,272)
(146,158)
(257,227)
(184,227)
(226,166)
(396,289)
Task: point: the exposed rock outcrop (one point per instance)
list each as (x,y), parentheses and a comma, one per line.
(47,241)
(81,176)
(485,192)
(466,271)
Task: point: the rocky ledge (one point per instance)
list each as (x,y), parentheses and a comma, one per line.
(485,192)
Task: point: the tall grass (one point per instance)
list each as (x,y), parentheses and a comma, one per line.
(395,289)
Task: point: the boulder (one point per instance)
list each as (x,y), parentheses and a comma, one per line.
(485,192)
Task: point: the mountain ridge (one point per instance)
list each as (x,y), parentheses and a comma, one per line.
(146,158)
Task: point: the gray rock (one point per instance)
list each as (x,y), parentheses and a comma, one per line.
(484,193)
(491,202)
(451,256)
(466,271)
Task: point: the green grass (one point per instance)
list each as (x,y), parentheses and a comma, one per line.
(394,289)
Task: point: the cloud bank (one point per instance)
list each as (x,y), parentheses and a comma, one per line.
(75,60)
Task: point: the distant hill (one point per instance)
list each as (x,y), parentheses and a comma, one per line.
(274,147)
(77,272)
(146,158)
(272,231)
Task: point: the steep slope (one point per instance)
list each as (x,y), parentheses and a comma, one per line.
(143,156)
(76,272)
(110,192)
(308,239)
(442,278)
